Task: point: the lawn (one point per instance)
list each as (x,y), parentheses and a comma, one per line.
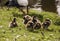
(20,33)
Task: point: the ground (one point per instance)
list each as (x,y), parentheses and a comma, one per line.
(20,33)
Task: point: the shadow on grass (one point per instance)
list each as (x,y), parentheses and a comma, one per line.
(50,30)
(17,15)
(40,17)
(59,30)
(33,31)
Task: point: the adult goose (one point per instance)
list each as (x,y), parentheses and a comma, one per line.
(18,4)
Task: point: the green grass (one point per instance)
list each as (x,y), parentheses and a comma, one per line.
(20,32)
